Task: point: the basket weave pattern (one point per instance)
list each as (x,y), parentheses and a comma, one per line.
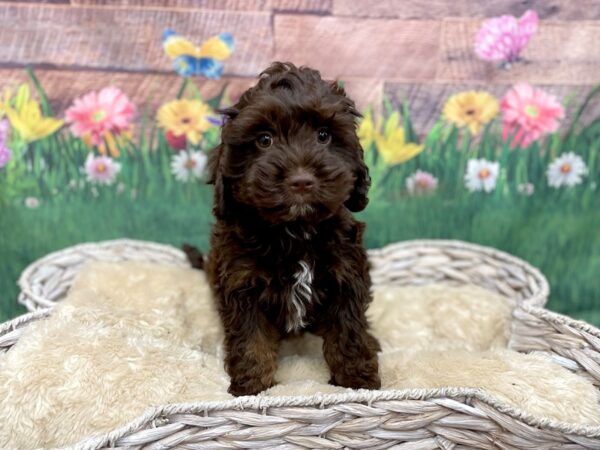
(449,419)
(47,280)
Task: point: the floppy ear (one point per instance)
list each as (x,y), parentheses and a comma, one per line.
(222,194)
(358,199)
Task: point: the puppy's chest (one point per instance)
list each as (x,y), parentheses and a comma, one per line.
(295,294)
(301,296)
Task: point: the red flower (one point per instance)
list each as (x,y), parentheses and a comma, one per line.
(176,142)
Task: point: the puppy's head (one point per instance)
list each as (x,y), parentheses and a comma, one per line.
(289,150)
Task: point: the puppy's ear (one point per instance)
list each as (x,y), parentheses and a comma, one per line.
(358,199)
(215,177)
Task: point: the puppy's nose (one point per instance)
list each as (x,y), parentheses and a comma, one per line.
(301,182)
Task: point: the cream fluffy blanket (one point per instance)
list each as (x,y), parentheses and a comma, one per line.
(133,335)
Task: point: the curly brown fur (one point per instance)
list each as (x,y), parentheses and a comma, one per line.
(286,254)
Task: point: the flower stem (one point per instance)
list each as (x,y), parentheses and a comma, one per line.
(182,88)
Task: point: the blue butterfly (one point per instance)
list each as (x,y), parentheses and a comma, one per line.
(190,60)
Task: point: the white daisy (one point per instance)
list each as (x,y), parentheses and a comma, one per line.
(187,166)
(566,170)
(421,183)
(481,175)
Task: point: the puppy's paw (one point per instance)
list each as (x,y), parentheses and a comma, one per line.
(355,378)
(239,388)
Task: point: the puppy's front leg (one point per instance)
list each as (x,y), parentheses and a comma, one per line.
(251,345)
(349,349)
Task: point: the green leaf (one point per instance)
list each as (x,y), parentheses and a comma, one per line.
(409,131)
(46,108)
(215,102)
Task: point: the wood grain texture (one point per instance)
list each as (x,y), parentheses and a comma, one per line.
(562,52)
(55,2)
(427,100)
(439,9)
(366,92)
(125,39)
(345,48)
(307,6)
(146,91)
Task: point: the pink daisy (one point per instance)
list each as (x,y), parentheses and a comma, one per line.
(504,38)
(421,183)
(98,113)
(529,113)
(101,169)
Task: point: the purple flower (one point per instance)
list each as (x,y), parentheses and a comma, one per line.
(5,153)
(5,156)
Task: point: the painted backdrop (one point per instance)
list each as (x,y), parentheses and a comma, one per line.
(476,126)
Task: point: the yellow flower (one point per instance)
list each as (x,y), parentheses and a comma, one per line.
(472,109)
(27,119)
(392,145)
(367,131)
(189,117)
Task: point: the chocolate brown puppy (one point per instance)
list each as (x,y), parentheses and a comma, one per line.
(286,253)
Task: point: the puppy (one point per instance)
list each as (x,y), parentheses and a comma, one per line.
(286,254)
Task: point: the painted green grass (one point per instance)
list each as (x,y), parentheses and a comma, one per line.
(532,230)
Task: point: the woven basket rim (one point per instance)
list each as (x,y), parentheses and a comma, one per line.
(442,395)
(23,281)
(537,299)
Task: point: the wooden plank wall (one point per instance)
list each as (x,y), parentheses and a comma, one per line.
(420,50)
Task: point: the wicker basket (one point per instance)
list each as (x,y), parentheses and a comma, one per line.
(408,420)
(47,280)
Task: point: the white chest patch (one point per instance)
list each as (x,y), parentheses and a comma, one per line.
(301,297)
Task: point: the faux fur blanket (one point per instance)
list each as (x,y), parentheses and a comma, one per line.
(134,335)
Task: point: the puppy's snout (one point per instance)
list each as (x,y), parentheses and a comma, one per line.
(301,182)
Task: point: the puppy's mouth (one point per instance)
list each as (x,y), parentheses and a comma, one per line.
(300,210)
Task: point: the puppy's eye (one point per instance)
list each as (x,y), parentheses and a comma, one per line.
(323,136)
(264,140)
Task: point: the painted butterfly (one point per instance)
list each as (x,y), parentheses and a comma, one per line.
(504,38)
(190,60)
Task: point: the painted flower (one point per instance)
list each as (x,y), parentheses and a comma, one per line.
(188,166)
(568,170)
(504,38)
(185,117)
(529,113)
(367,131)
(101,169)
(471,109)
(32,202)
(526,189)
(176,142)
(26,117)
(392,145)
(421,183)
(100,116)
(5,153)
(481,175)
